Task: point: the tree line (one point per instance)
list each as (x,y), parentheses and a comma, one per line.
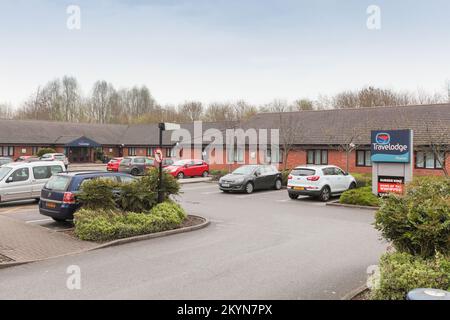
(62,100)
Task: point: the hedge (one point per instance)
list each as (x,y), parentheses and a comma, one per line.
(418,222)
(361,197)
(106,225)
(402,272)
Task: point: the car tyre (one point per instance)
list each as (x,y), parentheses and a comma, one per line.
(135,172)
(293,196)
(325,194)
(352,186)
(249,188)
(180,175)
(205,174)
(278,184)
(59,220)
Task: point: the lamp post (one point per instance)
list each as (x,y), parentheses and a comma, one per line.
(163,127)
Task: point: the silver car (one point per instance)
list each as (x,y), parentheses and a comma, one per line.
(25,180)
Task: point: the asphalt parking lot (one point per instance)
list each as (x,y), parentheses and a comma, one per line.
(258,246)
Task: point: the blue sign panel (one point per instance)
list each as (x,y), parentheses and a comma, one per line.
(391,146)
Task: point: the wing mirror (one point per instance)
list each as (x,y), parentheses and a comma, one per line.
(9,180)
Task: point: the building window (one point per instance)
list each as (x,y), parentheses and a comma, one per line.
(428,160)
(363,158)
(317,157)
(273,157)
(150,152)
(6,151)
(34,150)
(132,151)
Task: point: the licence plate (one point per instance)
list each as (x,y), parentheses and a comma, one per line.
(50,205)
(299,188)
(225,185)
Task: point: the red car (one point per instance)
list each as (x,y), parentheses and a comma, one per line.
(113,164)
(188,168)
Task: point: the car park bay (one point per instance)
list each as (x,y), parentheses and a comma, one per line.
(258,246)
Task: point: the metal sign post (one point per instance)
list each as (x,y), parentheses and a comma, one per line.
(163,127)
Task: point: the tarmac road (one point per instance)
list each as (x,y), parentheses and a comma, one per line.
(258,246)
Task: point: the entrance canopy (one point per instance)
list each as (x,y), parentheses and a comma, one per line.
(82,142)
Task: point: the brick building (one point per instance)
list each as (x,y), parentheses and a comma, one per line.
(340,137)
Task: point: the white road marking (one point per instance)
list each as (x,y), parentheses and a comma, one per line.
(41,220)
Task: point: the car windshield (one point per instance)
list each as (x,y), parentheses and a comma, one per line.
(244,170)
(58,183)
(302,172)
(46,156)
(3,172)
(180,163)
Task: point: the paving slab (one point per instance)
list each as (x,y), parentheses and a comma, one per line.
(21,242)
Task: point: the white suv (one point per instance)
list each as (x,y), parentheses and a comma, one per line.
(319,181)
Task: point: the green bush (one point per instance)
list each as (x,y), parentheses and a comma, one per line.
(361,197)
(106,225)
(362,179)
(418,222)
(98,194)
(137,197)
(43,151)
(402,272)
(217,174)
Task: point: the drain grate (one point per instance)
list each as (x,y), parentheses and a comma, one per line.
(4,259)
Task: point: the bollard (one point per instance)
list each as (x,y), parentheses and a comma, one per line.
(428,294)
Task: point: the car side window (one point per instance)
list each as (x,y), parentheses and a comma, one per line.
(139,161)
(338,172)
(328,172)
(20,175)
(259,171)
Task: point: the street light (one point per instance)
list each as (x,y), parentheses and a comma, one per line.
(163,127)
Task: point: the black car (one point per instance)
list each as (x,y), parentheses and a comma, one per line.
(58,197)
(251,177)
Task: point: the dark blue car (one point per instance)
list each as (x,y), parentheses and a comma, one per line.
(58,197)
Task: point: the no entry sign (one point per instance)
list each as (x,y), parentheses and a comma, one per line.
(159,156)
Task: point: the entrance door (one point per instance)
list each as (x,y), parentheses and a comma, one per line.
(79,154)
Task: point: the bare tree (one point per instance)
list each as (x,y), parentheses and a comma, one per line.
(438,141)
(191,110)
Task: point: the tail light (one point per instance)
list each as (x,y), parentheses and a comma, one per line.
(69,198)
(289,177)
(313,178)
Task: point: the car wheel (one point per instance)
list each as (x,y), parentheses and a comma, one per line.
(135,172)
(278,184)
(205,174)
(225,191)
(352,186)
(249,188)
(59,220)
(325,194)
(180,175)
(293,196)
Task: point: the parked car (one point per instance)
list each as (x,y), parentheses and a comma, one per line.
(58,197)
(24,180)
(56,156)
(319,181)
(113,164)
(188,168)
(5,160)
(27,158)
(135,165)
(165,163)
(251,177)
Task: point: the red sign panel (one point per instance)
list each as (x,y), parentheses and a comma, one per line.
(388,185)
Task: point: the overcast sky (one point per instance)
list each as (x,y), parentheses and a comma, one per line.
(222,50)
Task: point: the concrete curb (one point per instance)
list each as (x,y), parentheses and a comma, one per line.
(118,242)
(354,293)
(337,204)
(189,181)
